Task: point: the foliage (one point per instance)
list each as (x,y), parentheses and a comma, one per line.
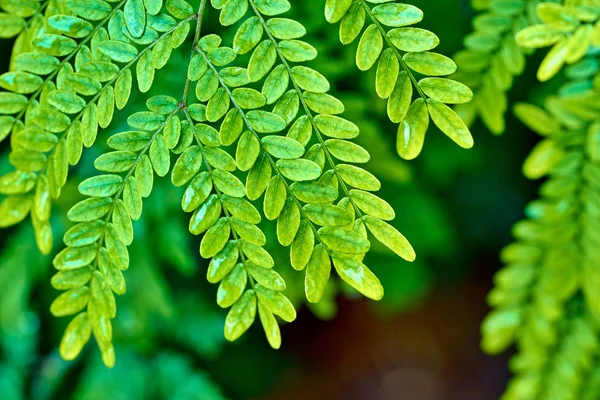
(73,68)
(224,111)
(545,299)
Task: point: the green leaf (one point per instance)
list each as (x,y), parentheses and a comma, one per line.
(222,263)
(297,50)
(54,45)
(357,275)
(431,64)
(314,192)
(317,274)
(390,237)
(262,60)
(241,316)
(265,122)
(276,302)
(272,7)
(450,123)
(20,82)
(74,257)
(93,10)
(11,103)
(302,246)
(288,222)
(248,35)
(310,80)
(413,40)
(144,176)
(258,177)
(347,151)
(135,17)
(132,198)
(372,205)
(358,177)
(76,335)
(284,28)
(397,15)
(446,90)
(70,302)
(17,182)
(90,209)
(101,185)
(241,209)
(387,73)
(275,197)
(159,155)
(115,161)
(247,151)
(205,216)
(248,98)
(344,240)
(257,254)
(228,183)
(323,103)
(266,277)
(38,63)
(299,169)
(232,287)
(10,25)
(14,209)
(336,127)
(70,26)
(270,326)
(400,98)
(186,166)
(215,238)
(369,48)
(132,141)
(336,9)
(411,132)
(276,84)
(282,147)
(118,51)
(327,214)
(352,23)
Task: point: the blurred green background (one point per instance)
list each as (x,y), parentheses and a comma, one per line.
(420,342)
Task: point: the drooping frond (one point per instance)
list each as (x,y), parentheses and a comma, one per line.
(402,54)
(492,59)
(546,297)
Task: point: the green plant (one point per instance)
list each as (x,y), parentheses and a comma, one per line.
(545,299)
(249,129)
(73,67)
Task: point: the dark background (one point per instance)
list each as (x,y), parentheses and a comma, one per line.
(421,342)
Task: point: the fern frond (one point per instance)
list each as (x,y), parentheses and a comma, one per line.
(546,297)
(406,55)
(96,253)
(572,29)
(492,59)
(310,204)
(93,77)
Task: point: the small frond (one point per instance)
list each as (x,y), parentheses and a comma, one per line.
(402,54)
(90,267)
(492,59)
(546,298)
(572,29)
(73,90)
